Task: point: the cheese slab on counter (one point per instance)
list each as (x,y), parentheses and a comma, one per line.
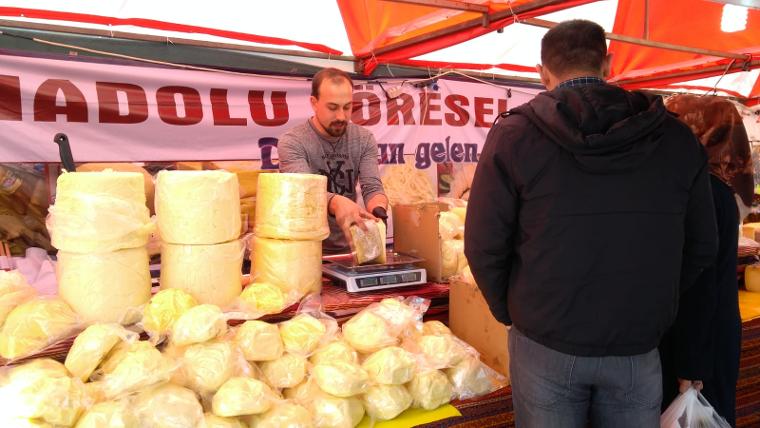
(105,287)
(292,206)
(209,273)
(98,212)
(294,266)
(198,207)
(369,246)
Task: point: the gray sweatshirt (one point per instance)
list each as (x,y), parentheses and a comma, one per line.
(344,161)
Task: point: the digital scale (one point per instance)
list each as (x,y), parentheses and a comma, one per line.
(398,271)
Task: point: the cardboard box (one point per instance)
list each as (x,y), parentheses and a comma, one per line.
(415,233)
(471,320)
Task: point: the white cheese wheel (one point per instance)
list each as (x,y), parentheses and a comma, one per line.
(35,324)
(340,378)
(284,372)
(259,341)
(168,406)
(294,266)
(385,402)
(242,396)
(209,273)
(97,212)
(430,389)
(292,206)
(105,287)
(198,207)
(336,412)
(390,366)
(92,345)
(369,246)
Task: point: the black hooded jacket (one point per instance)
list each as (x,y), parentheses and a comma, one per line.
(590,207)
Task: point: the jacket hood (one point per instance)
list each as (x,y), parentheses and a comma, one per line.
(606,128)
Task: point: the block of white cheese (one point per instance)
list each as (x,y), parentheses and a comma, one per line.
(329,411)
(453,260)
(259,341)
(198,207)
(168,406)
(469,378)
(199,324)
(108,414)
(206,366)
(97,212)
(752,278)
(385,402)
(164,309)
(292,206)
(430,389)
(337,350)
(341,378)
(390,366)
(262,298)
(368,246)
(284,372)
(283,415)
(33,325)
(294,266)
(209,273)
(450,225)
(92,345)
(242,396)
(105,287)
(139,367)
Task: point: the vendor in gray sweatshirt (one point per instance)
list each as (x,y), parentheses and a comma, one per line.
(328,144)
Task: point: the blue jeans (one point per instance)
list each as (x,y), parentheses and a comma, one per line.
(552,389)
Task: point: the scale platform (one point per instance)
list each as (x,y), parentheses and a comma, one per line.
(398,271)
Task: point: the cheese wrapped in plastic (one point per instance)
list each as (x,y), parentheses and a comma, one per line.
(92,345)
(453,259)
(259,341)
(111,414)
(435,328)
(302,334)
(286,371)
(450,226)
(340,378)
(42,389)
(337,350)
(367,332)
(206,366)
(140,366)
(430,389)
(294,266)
(14,290)
(470,378)
(263,298)
(209,273)
(460,212)
(390,366)
(304,392)
(105,287)
(385,402)
(292,206)
(164,309)
(211,420)
(398,314)
(99,212)
(199,324)
(35,324)
(441,351)
(168,406)
(198,207)
(243,396)
(369,246)
(282,415)
(336,412)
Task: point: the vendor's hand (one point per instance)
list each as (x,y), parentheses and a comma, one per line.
(684,385)
(348,213)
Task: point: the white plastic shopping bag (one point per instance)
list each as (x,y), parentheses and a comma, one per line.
(691,410)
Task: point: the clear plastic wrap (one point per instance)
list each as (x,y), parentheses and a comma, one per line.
(380,324)
(110,414)
(163,310)
(369,246)
(471,378)
(292,206)
(199,324)
(137,367)
(243,396)
(35,324)
(259,341)
(336,412)
(285,372)
(385,402)
(42,389)
(450,225)
(435,327)
(442,351)
(198,207)
(390,366)
(453,260)
(211,420)
(206,366)
(303,333)
(92,345)
(294,266)
(209,273)
(168,406)
(304,392)
(337,350)
(430,389)
(264,298)
(283,414)
(14,290)
(98,212)
(340,378)
(105,287)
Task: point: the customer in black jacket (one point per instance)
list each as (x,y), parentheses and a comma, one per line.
(589,210)
(703,346)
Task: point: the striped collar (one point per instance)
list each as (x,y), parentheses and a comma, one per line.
(581,81)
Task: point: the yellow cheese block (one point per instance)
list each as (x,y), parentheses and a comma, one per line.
(292,206)
(99,212)
(294,266)
(209,273)
(369,246)
(752,278)
(35,324)
(105,287)
(125,167)
(198,207)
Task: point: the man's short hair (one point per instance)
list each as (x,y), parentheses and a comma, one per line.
(332,74)
(576,45)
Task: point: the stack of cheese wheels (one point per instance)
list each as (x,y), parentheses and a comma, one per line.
(199,223)
(291,222)
(100,224)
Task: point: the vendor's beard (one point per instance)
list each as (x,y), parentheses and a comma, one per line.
(337,128)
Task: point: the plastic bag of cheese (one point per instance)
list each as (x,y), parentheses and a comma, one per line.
(14,290)
(259,341)
(241,396)
(130,368)
(285,372)
(453,260)
(450,225)
(112,414)
(263,298)
(430,389)
(163,310)
(204,367)
(368,246)
(199,324)
(381,324)
(309,329)
(167,406)
(92,345)
(36,324)
(471,378)
(211,420)
(385,402)
(284,414)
